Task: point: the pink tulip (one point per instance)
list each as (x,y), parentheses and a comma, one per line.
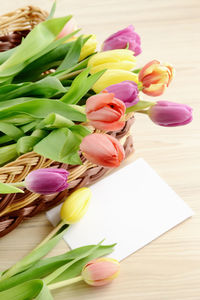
(47,181)
(68,28)
(122,38)
(105,112)
(102,149)
(155,77)
(100,271)
(127,91)
(169,114)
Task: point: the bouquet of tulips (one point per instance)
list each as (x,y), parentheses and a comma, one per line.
(56,89)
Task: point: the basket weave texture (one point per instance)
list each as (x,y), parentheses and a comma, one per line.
(14,208)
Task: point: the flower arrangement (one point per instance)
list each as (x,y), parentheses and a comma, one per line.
(83,90)
(59,98)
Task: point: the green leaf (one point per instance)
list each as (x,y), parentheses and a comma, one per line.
(44,294)
(25,291)
(55,121)
(52,12)
(26,143)
(80,86)
(50,148)
(34,256)
(72,56)
(36,41)
(18,119)
(137,71)
(139,106)
(40,108)
(11,130)
(6,188)
(30,126)
(6,54)
(47,88)
(7,153)
(66,150)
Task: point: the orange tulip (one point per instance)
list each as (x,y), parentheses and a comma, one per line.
(155,77)
(105,112)
(102,149)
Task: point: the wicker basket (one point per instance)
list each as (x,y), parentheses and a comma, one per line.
(14,208)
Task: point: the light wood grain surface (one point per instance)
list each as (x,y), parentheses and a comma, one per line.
(168,268)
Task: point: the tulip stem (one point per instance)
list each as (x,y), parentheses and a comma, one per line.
(60,284)
(52,233)
(69,75)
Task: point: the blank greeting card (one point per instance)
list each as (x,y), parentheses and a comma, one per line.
(130,207)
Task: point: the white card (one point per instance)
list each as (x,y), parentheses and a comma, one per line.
(130,207)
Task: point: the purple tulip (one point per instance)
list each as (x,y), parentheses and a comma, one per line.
(47,181)
(170,114)
(120,39)
(127,91)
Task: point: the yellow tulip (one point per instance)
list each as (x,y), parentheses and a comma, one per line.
(113,59)
(112,77)
(76,205)
(89,47)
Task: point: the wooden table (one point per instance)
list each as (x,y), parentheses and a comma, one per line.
(168,268)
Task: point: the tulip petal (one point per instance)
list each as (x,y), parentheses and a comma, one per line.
(113,77)
(102,149)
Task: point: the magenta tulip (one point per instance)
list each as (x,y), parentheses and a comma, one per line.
(105,112)
(170,114)
(102,149)
(101,271)
(122,39)
(127,91)
(47,181)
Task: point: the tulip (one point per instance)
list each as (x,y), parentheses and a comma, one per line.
(122,38)
(68,28)
(105,112)
(73,209)
(89,47)
(100,271)
(113,59)
(111,77)
(102,149)
(46,181)
(155,77)
(97,272)
(169,114)
(127,91)
(76,205)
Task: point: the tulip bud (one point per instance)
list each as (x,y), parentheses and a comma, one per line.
(76,205)
(100,271)
(155,77)
(69,27)
(111,77)
(47,181)
(122,38)
(113,59)
(105,112)
(169,114)
(89,47)
(102,149)
(126,91)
